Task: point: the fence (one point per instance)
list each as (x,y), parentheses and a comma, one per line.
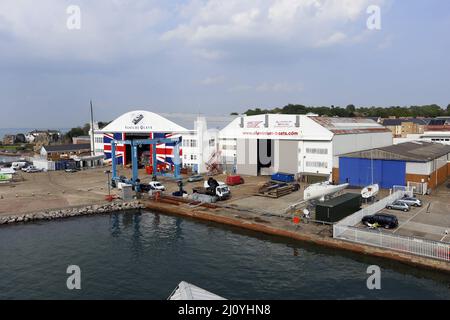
(418,187)
(427,248)
(355,218)
(346,230)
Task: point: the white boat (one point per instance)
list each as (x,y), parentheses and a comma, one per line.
(370,191)
(187,291)
(319,191)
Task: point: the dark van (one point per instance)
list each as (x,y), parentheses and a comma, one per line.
(384,220)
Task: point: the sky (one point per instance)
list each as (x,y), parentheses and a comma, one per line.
(214,57)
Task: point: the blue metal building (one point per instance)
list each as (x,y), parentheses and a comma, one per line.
(360,172)
(401,164)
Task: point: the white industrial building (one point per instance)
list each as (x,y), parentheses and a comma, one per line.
(428,136)
(305,145)
(197,144)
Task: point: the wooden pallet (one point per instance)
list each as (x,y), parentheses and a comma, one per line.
(277,193)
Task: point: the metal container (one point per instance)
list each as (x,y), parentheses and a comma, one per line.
(283,177)
(338,208)
(127,192)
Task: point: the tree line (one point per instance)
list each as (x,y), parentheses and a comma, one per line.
(82,131)
(428,111)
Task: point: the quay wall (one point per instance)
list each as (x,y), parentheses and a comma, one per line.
(408,259)
(53,214)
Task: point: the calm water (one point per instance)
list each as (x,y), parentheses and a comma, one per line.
(146,255)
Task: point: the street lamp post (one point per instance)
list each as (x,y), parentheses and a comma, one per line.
(109,184)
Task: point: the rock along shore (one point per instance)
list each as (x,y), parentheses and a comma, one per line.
(53,214)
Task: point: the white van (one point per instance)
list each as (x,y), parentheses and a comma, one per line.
(18,165)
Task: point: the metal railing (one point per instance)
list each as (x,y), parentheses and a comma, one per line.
(378,238)
(355,218)
(346,230)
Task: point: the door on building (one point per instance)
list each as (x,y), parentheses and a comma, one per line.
(363,172)
(265,152)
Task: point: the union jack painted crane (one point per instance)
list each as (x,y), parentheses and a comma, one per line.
(134,157)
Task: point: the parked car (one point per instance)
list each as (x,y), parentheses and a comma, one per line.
(18,165)
(411,201)
(156,185)
(387,221)
(144,187)
(398,205)
(195,178)
(32,169)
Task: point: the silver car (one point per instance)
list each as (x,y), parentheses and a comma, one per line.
(411,201)
(397,205)
(195,178)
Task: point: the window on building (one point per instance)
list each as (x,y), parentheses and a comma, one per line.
(316,164)
(212,142)
(193,143)
(317,150)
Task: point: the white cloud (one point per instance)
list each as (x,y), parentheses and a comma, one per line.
(269,87)
(295,23)
(335,38)
(210,81)
(108,29)
(211,29)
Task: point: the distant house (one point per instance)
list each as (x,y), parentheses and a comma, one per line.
(439,124)
(81,140)
(9,139)
(400,128)
(55,152)
(43,136)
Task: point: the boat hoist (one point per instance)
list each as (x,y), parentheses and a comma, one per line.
(134,157)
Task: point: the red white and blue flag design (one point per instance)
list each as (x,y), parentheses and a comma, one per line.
(164,152)
(121,154)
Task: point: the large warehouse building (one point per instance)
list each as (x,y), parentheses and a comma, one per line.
(424,165)
(305,145)
(195,143)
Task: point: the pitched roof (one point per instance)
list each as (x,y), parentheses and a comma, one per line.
(415,151)
(398,122)
(67,147)
(340,126)
(142,121)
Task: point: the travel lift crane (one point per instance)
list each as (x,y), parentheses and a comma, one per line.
(134,158)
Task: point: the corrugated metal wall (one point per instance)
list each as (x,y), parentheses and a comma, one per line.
(358,172)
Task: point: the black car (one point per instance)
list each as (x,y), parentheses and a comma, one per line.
(387,221)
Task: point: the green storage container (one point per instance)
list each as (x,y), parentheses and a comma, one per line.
(338,208)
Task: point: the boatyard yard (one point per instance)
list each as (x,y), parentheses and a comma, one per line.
(245,209)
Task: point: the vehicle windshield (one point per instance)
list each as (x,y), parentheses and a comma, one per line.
(222,189)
